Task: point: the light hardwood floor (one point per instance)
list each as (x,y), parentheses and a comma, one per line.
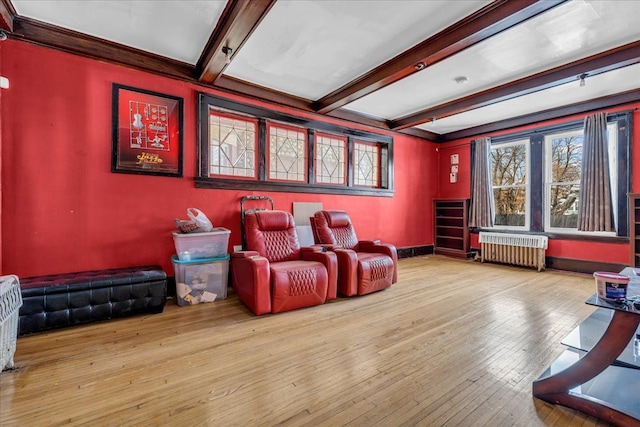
(453,343)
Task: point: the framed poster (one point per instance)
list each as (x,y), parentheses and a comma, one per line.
(146,132)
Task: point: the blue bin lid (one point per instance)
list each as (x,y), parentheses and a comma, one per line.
(176,260)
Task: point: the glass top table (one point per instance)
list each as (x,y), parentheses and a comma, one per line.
(600,375)
(589,332)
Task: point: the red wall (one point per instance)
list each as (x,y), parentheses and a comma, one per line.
(1,90)
(462,188)
(573,249)
(63,210)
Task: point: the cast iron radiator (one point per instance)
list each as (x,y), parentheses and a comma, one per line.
(515,249)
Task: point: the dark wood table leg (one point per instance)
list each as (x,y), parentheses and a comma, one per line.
(555,388)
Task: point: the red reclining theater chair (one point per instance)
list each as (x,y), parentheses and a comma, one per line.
(364,266)
(274,274)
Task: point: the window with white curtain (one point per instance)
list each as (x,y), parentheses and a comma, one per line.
(536,177)
(563,161)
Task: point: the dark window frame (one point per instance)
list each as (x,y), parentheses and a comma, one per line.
(525,142)
(264,115)
(537,169)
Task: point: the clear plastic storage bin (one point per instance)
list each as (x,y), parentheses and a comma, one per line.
(203,280)
(193,246)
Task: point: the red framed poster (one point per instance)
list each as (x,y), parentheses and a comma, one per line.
(146,132)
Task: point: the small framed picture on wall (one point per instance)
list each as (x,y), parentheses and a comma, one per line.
(146,132)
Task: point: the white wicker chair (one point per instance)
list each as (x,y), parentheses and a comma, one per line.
(10,303)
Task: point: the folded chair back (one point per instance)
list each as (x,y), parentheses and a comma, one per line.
(273,235)
(334,228)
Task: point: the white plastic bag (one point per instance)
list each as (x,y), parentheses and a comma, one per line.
(200,219)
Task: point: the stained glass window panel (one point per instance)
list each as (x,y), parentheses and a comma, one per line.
(233,142)
(366,164)
(330,159)
(287,154)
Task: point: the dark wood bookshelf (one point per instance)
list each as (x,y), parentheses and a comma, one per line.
(451,229)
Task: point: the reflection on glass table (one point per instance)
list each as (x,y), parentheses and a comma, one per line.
(589,332)
(600,375)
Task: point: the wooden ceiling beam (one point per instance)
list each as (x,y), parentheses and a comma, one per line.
(619,57)
(352,116)
(485,23)
(421,133)
(7,14)
(589,106)
(239,19)
(242,88)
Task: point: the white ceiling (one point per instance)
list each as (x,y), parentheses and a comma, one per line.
(144,24)
(622,80)
(570,31)
(309,49)
(310,58)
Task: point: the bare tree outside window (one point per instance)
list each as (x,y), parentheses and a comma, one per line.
(563,165)
(564,186)
(536,178)
(509,177)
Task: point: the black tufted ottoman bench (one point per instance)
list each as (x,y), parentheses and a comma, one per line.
(60,300)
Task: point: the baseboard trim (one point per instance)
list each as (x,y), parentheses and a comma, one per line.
(453,253)
(581,265)
(413,251)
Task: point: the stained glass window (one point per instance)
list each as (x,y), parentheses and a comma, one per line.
(330,159)
(232,145)
(287,153)
(248,147)
(366,164)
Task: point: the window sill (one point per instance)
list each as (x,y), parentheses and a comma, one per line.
(231,184)
(559,236)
